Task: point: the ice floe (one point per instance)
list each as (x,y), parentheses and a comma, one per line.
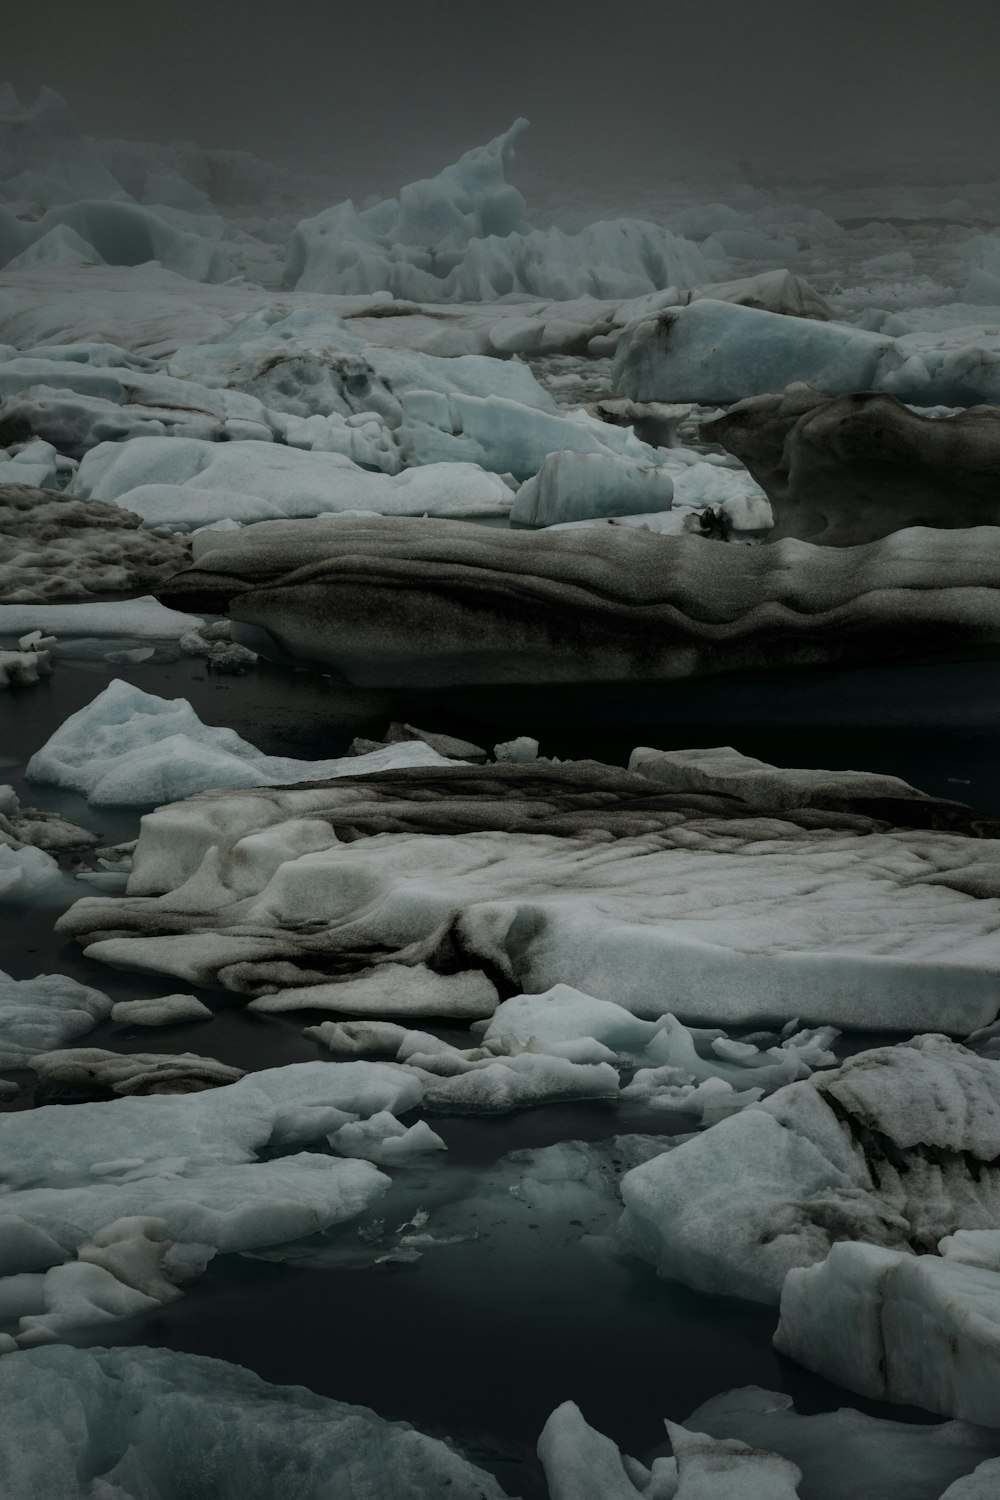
(165,1010)
(55,547)
(690,901)
(130,748)
(719,352)
(189,1160)
(897,1147)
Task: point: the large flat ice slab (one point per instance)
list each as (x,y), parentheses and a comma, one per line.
(696,902)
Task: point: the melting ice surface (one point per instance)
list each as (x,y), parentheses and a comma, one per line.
(390,1069)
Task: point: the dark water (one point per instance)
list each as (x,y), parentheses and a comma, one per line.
(482,1340)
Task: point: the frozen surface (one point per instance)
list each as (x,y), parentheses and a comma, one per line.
(897,1147)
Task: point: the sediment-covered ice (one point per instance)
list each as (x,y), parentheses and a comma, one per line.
(474,605)
(118,1421)
(777,789)
(94,1071)
(848,469)
(130,748)
(534,875)
(898,1147)
(20,826)
(165,1010)
(54,547)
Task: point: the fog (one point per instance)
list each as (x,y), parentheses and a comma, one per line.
(402,87)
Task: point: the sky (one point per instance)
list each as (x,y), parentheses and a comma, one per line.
(410,83)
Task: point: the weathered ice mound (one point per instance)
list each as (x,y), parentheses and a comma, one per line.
(448,604)
(842,470)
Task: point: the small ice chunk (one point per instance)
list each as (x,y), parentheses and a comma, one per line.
(164,1011)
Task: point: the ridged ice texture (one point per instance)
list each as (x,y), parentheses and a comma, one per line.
(695,902)
(474,605)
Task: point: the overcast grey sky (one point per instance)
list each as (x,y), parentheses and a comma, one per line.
(410,82)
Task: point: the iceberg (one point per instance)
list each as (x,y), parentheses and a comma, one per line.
(924,1330)
(464,235)
(580,486)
